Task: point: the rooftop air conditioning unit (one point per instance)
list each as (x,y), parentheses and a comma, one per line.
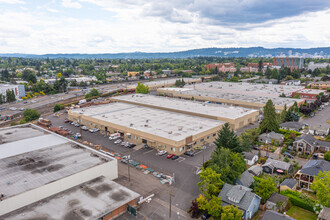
(170,132)
(131,125)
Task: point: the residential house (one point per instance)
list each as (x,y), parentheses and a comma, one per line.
(256,170)
(292,125)
(271,137)
(277,202)
(272,215)
(290,184)
(246,179)
(324,214)
(276,166)
(241,197)
(250,158)
(308,144)
(307,174)
(318,130)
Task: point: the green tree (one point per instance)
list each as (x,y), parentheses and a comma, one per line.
(210,183)
(248,137)
(321,186)
(231,213)
(31,115)
(29,76)
(227,163)
(212,206)
(141,88)
(269,122)
(327,156)
(265,188)
(92,93)
(283,114)
(57,107)
(228,139)
(286,159)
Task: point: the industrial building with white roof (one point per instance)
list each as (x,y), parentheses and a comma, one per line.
(246,95)
(237,117)
(153,85)
(163,130)
(47,176)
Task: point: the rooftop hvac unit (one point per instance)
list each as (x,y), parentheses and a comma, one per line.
(170,132)
(145,125)
(103,116)
(200,127)
(131,125)
(147,120)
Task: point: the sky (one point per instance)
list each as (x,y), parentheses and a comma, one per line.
(114,26)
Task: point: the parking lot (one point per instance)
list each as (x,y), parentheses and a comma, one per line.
(320,118)
(184,169)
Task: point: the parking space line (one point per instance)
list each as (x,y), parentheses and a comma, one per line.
(148,151)
(198,152)
(182,159)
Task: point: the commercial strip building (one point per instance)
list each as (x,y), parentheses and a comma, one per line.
(321,85)
(45,175)
(237,117)
(163,130)
(309,94)
(154,85)
(19,90)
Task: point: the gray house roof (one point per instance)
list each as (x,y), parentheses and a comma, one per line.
(277,164)
(242,195)
(313,167)
(248,155)
(246,179)
(277,198)
(272,215)
(325,213)
(255,170)
(272,135)
(289,183)
(292,124)
(313,141)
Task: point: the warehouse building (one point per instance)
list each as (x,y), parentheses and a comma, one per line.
(245,95)
(154,85)
(47,176)
(163,130)
(308,94)
(237,117)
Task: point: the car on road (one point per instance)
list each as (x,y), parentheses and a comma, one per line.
(22,109)
(13,108)
(169,156)
(175,157)
(162,152)
(189,153)
(117,141)
(287,154)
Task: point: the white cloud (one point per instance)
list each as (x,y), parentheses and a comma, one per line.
(12,2)
(71,4)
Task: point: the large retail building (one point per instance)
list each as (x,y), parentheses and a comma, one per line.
(237,117)
(47,176)
(160,129)
(248,95)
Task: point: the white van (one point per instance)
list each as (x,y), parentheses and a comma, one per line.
(114,136)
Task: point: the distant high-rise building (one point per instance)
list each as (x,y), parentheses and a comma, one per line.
(290,62)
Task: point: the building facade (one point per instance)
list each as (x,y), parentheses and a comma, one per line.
(19,90)
(290,62)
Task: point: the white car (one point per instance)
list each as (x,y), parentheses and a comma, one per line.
(84,128)
(78,135)
(117,141)
(162,152)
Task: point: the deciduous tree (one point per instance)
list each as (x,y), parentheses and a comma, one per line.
(321,186)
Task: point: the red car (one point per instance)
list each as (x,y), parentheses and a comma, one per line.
(170,156)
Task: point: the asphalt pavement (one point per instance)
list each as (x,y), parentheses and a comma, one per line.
(320,118)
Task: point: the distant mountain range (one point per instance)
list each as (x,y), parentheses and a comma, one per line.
(320,52)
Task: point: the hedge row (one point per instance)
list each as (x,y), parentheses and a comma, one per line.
(300,200)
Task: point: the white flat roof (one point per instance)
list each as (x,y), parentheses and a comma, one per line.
(38,157)
(166,124)
(167,81)
(91,200)
(311,91)
(187,105)
(254,89)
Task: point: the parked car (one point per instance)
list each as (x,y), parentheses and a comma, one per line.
(77,125)
(315,156)
(169,156)
(60,127)
(84,128)
(189,153)
(67,121)
(287,154)
(117,141)
(123,143)
(206,216)
(162,152)
(132,145)
(175,157)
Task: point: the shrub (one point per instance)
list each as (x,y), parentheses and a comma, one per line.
(300,200)
(327,156)
(24,97)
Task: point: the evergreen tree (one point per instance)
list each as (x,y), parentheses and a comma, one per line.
(269,122)
(228,139)
(283,114)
